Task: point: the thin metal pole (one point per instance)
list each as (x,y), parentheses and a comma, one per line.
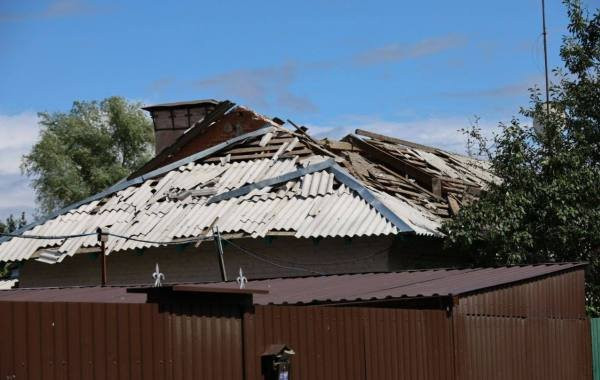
(545,56)
(217,238)
(102,239)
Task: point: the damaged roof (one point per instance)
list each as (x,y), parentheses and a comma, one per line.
(270,181)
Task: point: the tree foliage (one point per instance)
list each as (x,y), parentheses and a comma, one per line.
(83,151)
(547,205)
(11,224)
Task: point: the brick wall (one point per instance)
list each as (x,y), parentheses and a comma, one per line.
(190,264)
(237,122)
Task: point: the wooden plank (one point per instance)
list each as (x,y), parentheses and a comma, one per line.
(263,155)
(251,149)
(454,206)
(423,178)
(341,145)
(394,140)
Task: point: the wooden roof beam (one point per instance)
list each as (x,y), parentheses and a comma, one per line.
(394,140)
(425,179)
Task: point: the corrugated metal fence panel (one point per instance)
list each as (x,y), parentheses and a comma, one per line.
(516,348)
(595,327)
(118,341)
(560,296)
(353,343)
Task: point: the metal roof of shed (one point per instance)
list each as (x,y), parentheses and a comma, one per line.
(407,284)
(324,289)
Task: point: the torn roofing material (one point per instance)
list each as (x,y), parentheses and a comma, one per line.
(332,289)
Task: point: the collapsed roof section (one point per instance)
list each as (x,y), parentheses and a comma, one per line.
(272,181)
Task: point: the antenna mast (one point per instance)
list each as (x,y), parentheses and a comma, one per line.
(545,56)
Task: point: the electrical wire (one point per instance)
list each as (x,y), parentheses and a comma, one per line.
(265,260)
(197,239)
(65,237)
(185,241)
(52,237)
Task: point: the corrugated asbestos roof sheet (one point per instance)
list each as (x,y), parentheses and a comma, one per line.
(8,284)
(176,206)
(327,289)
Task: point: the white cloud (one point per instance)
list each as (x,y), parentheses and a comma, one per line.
(263,87)
(440,132)
(18,133)
(399,52)
(55,9)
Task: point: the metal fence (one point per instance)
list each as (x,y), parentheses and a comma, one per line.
(353,343)
(118,341)
(595,334)
(192,341)
(521,348)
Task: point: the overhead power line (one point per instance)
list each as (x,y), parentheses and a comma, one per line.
(271,261)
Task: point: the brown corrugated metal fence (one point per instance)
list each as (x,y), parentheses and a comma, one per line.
(353,343)
(118,341)
(519,348)
(183,341)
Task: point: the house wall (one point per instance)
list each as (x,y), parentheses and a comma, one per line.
(169,124)
(237,122)
(191,264)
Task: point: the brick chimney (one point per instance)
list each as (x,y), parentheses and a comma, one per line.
(172,120)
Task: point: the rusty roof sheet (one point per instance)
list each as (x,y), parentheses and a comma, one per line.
(324,289)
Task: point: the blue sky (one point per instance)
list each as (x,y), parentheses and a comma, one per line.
(417,70)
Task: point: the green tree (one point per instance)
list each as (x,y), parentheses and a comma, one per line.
(547,205)
(87,149)
(10,225)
